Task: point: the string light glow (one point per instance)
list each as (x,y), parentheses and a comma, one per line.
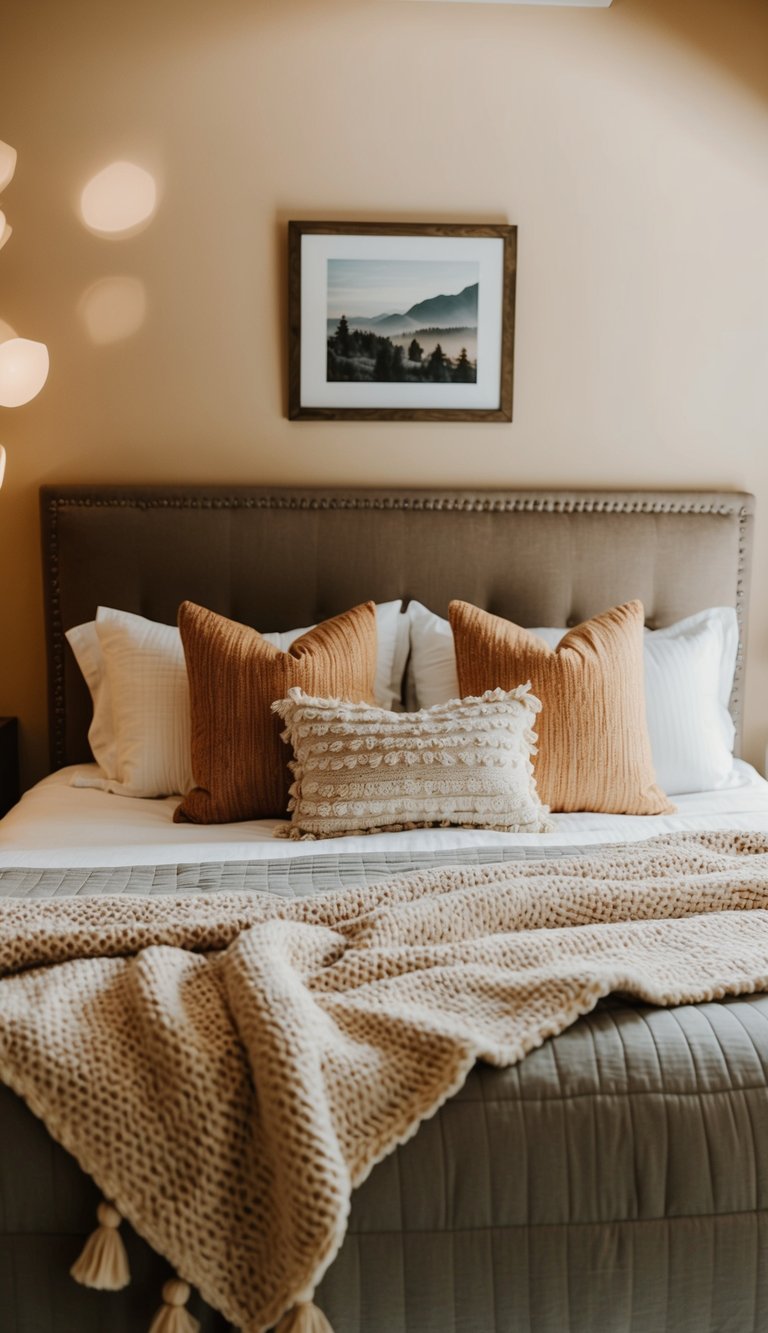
(23,371)
(118,200)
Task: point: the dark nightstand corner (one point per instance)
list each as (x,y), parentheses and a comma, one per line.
(9,763)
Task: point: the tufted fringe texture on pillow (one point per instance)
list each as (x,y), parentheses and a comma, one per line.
(358,769)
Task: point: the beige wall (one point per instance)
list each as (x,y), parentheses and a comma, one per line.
(630,145)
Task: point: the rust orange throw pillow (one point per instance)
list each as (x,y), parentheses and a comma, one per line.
(239,763)
(593,746)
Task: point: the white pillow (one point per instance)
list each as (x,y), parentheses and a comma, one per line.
(136,673)
(84,642)
(148,688)
(688,680)
(689,670)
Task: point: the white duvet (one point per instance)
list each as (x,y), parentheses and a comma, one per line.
(57,825)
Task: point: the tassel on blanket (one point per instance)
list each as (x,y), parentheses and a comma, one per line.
(304,1318)
(103,1263)
(172,1317)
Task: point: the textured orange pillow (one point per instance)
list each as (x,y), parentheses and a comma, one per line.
(593,746)
(239,763)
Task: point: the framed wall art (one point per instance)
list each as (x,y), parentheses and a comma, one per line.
(401,322)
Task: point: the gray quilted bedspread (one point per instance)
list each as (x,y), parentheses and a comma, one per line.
(616,1181)
(289,876)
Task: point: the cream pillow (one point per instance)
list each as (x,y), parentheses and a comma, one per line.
(137,677)
(146,688)
(84,642)
(359,769)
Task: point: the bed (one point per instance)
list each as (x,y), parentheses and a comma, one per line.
(616,1179)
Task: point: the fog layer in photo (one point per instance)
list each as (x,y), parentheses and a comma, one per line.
(402,320)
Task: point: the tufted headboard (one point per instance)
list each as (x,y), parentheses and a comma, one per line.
(278,558)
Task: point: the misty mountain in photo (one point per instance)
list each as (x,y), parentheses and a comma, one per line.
(437,312)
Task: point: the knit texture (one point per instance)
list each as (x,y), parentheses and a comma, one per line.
(594,750)
(239,764)
(228,1068)
(366,770)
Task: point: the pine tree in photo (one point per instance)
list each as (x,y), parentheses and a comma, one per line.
(341,337)
(464,372)
(384,360)
(415,351)
(436,366)
(398,368)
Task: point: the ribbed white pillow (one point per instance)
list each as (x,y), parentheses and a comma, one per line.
(688,681)
(689,670)
(359,769)
(137,676)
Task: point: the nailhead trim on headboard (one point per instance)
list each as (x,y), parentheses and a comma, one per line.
(586,503)
(474,504)
(738,675)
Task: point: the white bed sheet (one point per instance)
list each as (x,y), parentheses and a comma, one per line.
(58,825)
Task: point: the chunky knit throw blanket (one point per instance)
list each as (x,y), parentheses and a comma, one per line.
(228,1068)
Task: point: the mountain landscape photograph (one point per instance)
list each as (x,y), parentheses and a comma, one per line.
(402,320)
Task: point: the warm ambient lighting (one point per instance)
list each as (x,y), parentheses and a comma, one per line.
(576,4)
(7,164)
(2,464)
(23,363)
(7,168)
(118,200)
(113,308)
(23,371)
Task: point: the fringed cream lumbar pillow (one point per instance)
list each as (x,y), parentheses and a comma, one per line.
(359,769)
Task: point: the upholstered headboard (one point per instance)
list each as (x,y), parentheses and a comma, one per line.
(279,558)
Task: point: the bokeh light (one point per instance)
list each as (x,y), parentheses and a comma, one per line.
(5,229)
(113,308)
(119,200)
(23,371)
(7,164)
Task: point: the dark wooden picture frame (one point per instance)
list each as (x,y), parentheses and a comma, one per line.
(358,364)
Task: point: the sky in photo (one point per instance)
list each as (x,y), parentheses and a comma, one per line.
(391,286)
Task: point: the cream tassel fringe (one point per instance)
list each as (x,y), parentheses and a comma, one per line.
(103,1263)
(172,1317)
(304,1318)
